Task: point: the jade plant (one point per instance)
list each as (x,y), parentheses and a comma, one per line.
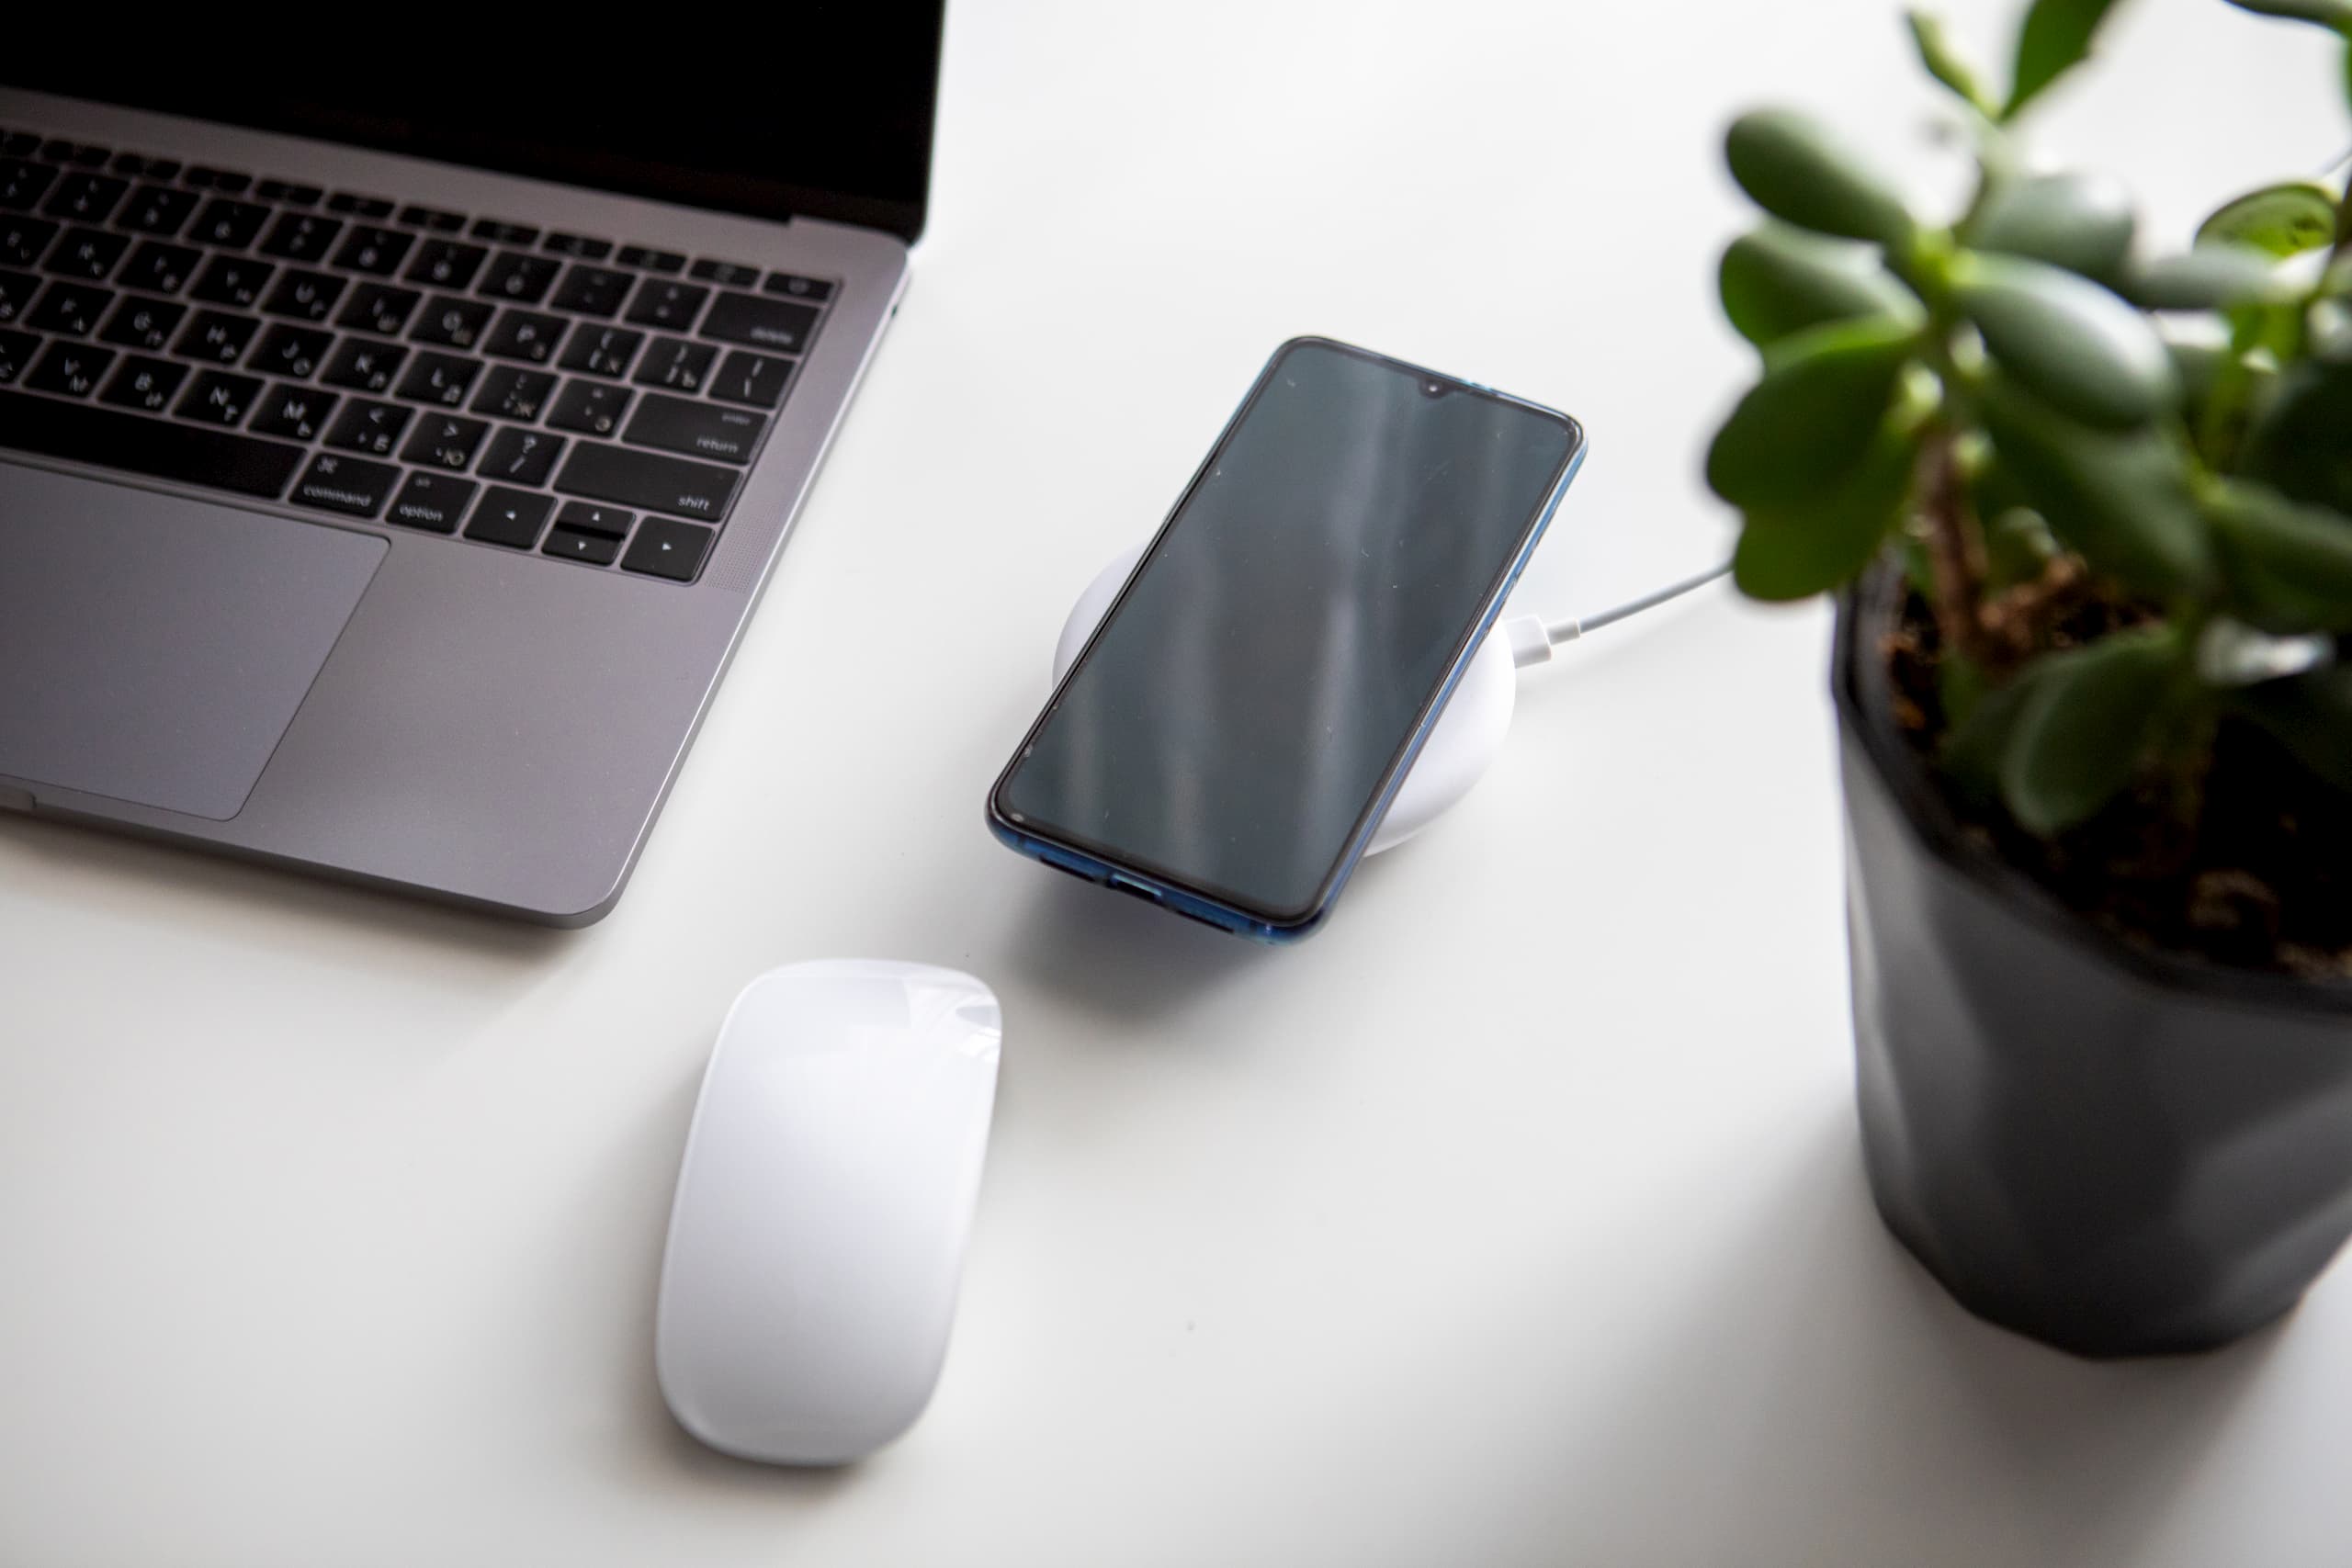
(2119,484)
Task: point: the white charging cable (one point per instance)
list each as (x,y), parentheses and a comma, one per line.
(1533,638)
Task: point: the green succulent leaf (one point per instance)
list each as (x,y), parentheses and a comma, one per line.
(2055,37)
(2122,500)
(2311,715)
(1777,281)
(1945,64)
(2068,339)
(1797,551)
(2211,277)
(1796,169)
(2298,445)
(2082,222)
(2335,14)
(1980,728)
(2278,220)
(2091,717)
(1801,429)
(2289,566)
(2018,548)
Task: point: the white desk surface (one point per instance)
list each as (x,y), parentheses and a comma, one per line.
(1516,1218)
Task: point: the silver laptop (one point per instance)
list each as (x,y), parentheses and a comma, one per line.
(385,478)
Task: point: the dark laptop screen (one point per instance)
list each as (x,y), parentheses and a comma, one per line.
(822,108)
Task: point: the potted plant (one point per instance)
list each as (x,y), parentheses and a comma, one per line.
(2087,513)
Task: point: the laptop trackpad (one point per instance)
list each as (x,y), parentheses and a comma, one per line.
(153,648)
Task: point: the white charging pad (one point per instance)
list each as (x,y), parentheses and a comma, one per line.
(1467,734)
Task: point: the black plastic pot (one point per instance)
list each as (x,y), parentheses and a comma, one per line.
(2114,1151)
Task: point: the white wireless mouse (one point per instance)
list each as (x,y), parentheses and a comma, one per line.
(817,1234)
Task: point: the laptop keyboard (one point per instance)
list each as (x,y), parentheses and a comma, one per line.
(449,372)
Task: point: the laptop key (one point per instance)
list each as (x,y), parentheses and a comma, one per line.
(348,485)
(232,225)
(444,441)
(661,303)
(231,280)
(587,407)
(646,482)
(364,426)
(86,198)
(752,379)
(363,365)
(580,545)
(90,433)
(368,207)
(521,457)
(144,384)
(651,260)
(448,263)
(308,295)
(143,324)
(22,240)
(793,286)
(601,351)
(592,290)
(297,414)
(291,351)
(21,184)
(453,320)
(380,308)
(86,252)
(782,325)
(505,234)
(525,335)
(16,353)
(71,368)
(217,336)
(219,398)
(432,217)
(579,246)
(72,309)
(301,236)
(510,517)
(158,210)
(519,278)
(663,548)
(733,274)
(431,501)
(283,190)
(511,393)
(677,365)
(160,267)
(373,249)
(441,378)
(698,429)
(17,291)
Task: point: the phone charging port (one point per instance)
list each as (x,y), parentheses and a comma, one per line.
(1136,890)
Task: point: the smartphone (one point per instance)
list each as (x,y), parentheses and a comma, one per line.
(1228,738)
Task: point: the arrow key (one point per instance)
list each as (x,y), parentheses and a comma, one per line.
(510,517)
(663,548)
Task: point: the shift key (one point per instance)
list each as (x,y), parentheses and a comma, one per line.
(646,482)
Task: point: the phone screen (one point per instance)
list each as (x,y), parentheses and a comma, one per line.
(1234,723)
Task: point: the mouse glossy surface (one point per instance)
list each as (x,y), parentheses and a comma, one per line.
(817,1234)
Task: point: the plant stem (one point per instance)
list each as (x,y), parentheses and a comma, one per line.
(1955,550)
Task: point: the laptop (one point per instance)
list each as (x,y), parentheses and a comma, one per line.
(390,455)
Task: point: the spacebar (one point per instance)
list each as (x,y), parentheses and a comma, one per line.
(85,434)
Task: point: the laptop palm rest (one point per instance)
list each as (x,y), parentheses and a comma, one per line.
(153,648)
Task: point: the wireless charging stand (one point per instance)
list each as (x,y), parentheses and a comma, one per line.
(1465,738)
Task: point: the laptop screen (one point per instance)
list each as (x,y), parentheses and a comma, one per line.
(822,109)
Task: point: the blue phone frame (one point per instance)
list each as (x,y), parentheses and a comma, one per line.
(1191,902)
